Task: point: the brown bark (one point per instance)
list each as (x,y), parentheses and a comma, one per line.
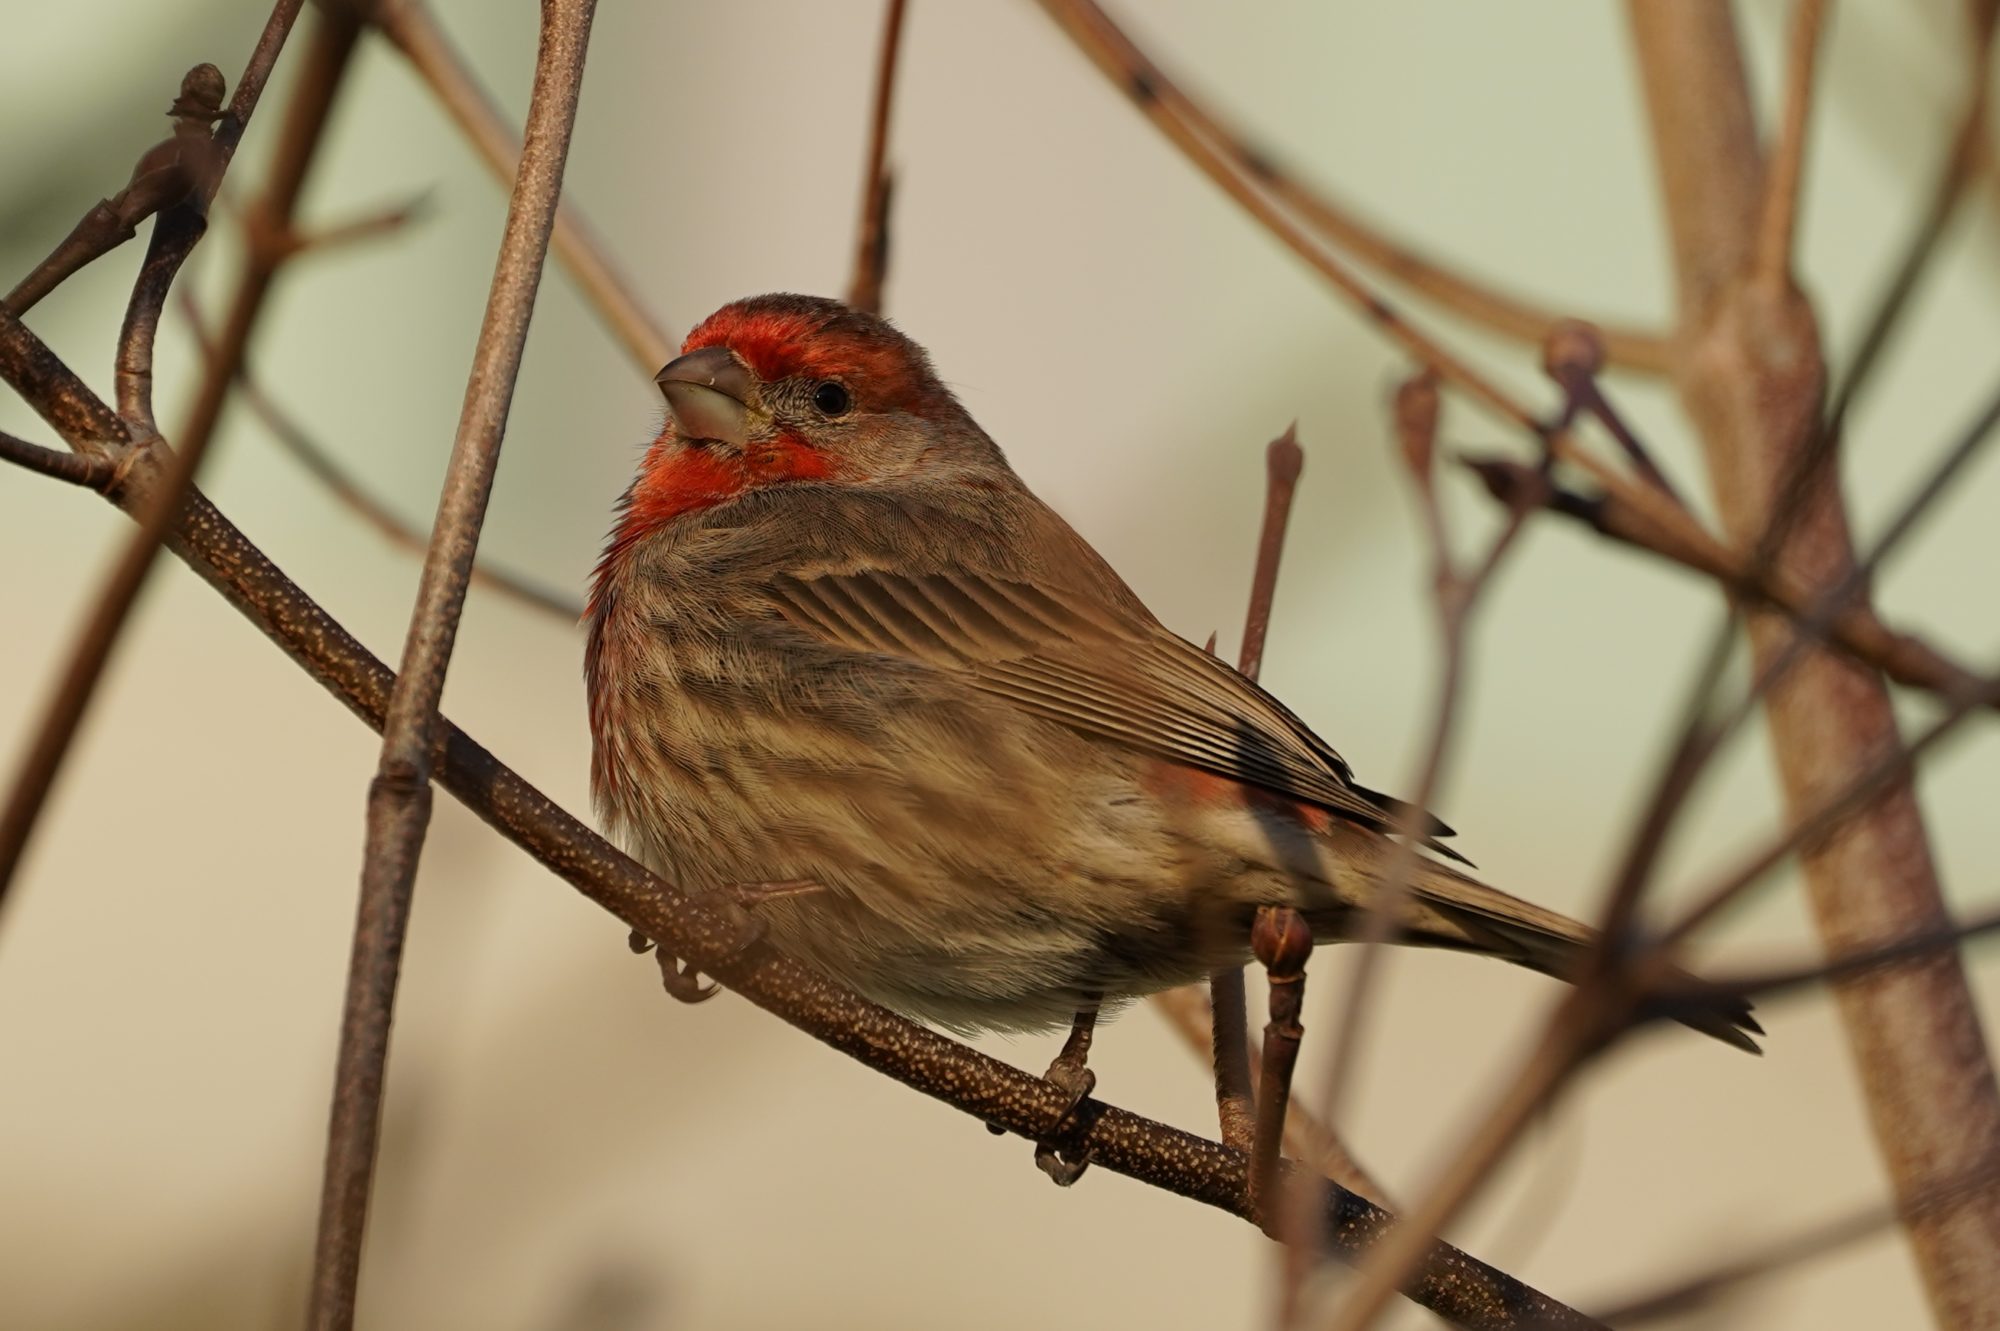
(1751,377)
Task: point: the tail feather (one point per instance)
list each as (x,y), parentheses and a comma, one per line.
(1449,910)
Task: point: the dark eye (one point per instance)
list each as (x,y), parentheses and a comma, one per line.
(831,399)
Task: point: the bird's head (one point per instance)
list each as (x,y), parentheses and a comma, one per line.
(783,389)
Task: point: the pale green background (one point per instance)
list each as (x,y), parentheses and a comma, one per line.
(566,1148)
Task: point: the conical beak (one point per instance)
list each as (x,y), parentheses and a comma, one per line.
(710,393)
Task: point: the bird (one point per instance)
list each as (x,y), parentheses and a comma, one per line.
(843,663)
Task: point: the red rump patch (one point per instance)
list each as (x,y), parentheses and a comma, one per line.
(1176,783)
(799,337)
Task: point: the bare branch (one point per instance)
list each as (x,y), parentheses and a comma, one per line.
(348,491)
(174,237)
(1771,263)
(1752,384)
(1706,1288)
(1455,594)
(93,473)
(414,30)
(1455,1286)
(1097,38)
(179,169)
(399,798)
(1832,617)
(871,255)
(1182,118)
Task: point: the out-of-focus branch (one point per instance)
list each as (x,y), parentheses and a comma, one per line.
(1715,1285)
(1854,629)
(1456,593)
(399,797)
(1771,261)
(348,491)
(1963,159)
(871,250)
(414,30)
(1455,1286)
(1751,380)
(175,234)
(1092,32)
(1180,116)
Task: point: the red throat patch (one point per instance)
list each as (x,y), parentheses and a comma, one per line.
(675,481)
(691,478)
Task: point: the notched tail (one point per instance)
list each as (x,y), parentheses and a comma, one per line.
(1450,910)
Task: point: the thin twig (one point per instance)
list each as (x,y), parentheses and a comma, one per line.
(1229,1023)
(92,473)
(1771,263)
(399,797)
(1455,1286)
(1096,36)
(348,491)
(414,30)
(1403,1249)
(1456,594)
(1771,984)
(871,250)
(1943,207)
(1691,1293)
(179,169)
(1181,117)
(1856,631)
(1188,1013)
(1573,356)
(174,236)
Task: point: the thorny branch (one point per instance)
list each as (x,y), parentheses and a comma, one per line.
(399,797)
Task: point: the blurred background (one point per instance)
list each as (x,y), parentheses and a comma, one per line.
(567,1149)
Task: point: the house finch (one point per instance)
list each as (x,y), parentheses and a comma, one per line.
(836,644)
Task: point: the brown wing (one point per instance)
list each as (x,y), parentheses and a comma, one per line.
(1089,663)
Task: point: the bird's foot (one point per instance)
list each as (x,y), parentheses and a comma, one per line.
(683,981)
(1065,1162)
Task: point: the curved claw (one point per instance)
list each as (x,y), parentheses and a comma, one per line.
(684,982)
(1062,1169)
